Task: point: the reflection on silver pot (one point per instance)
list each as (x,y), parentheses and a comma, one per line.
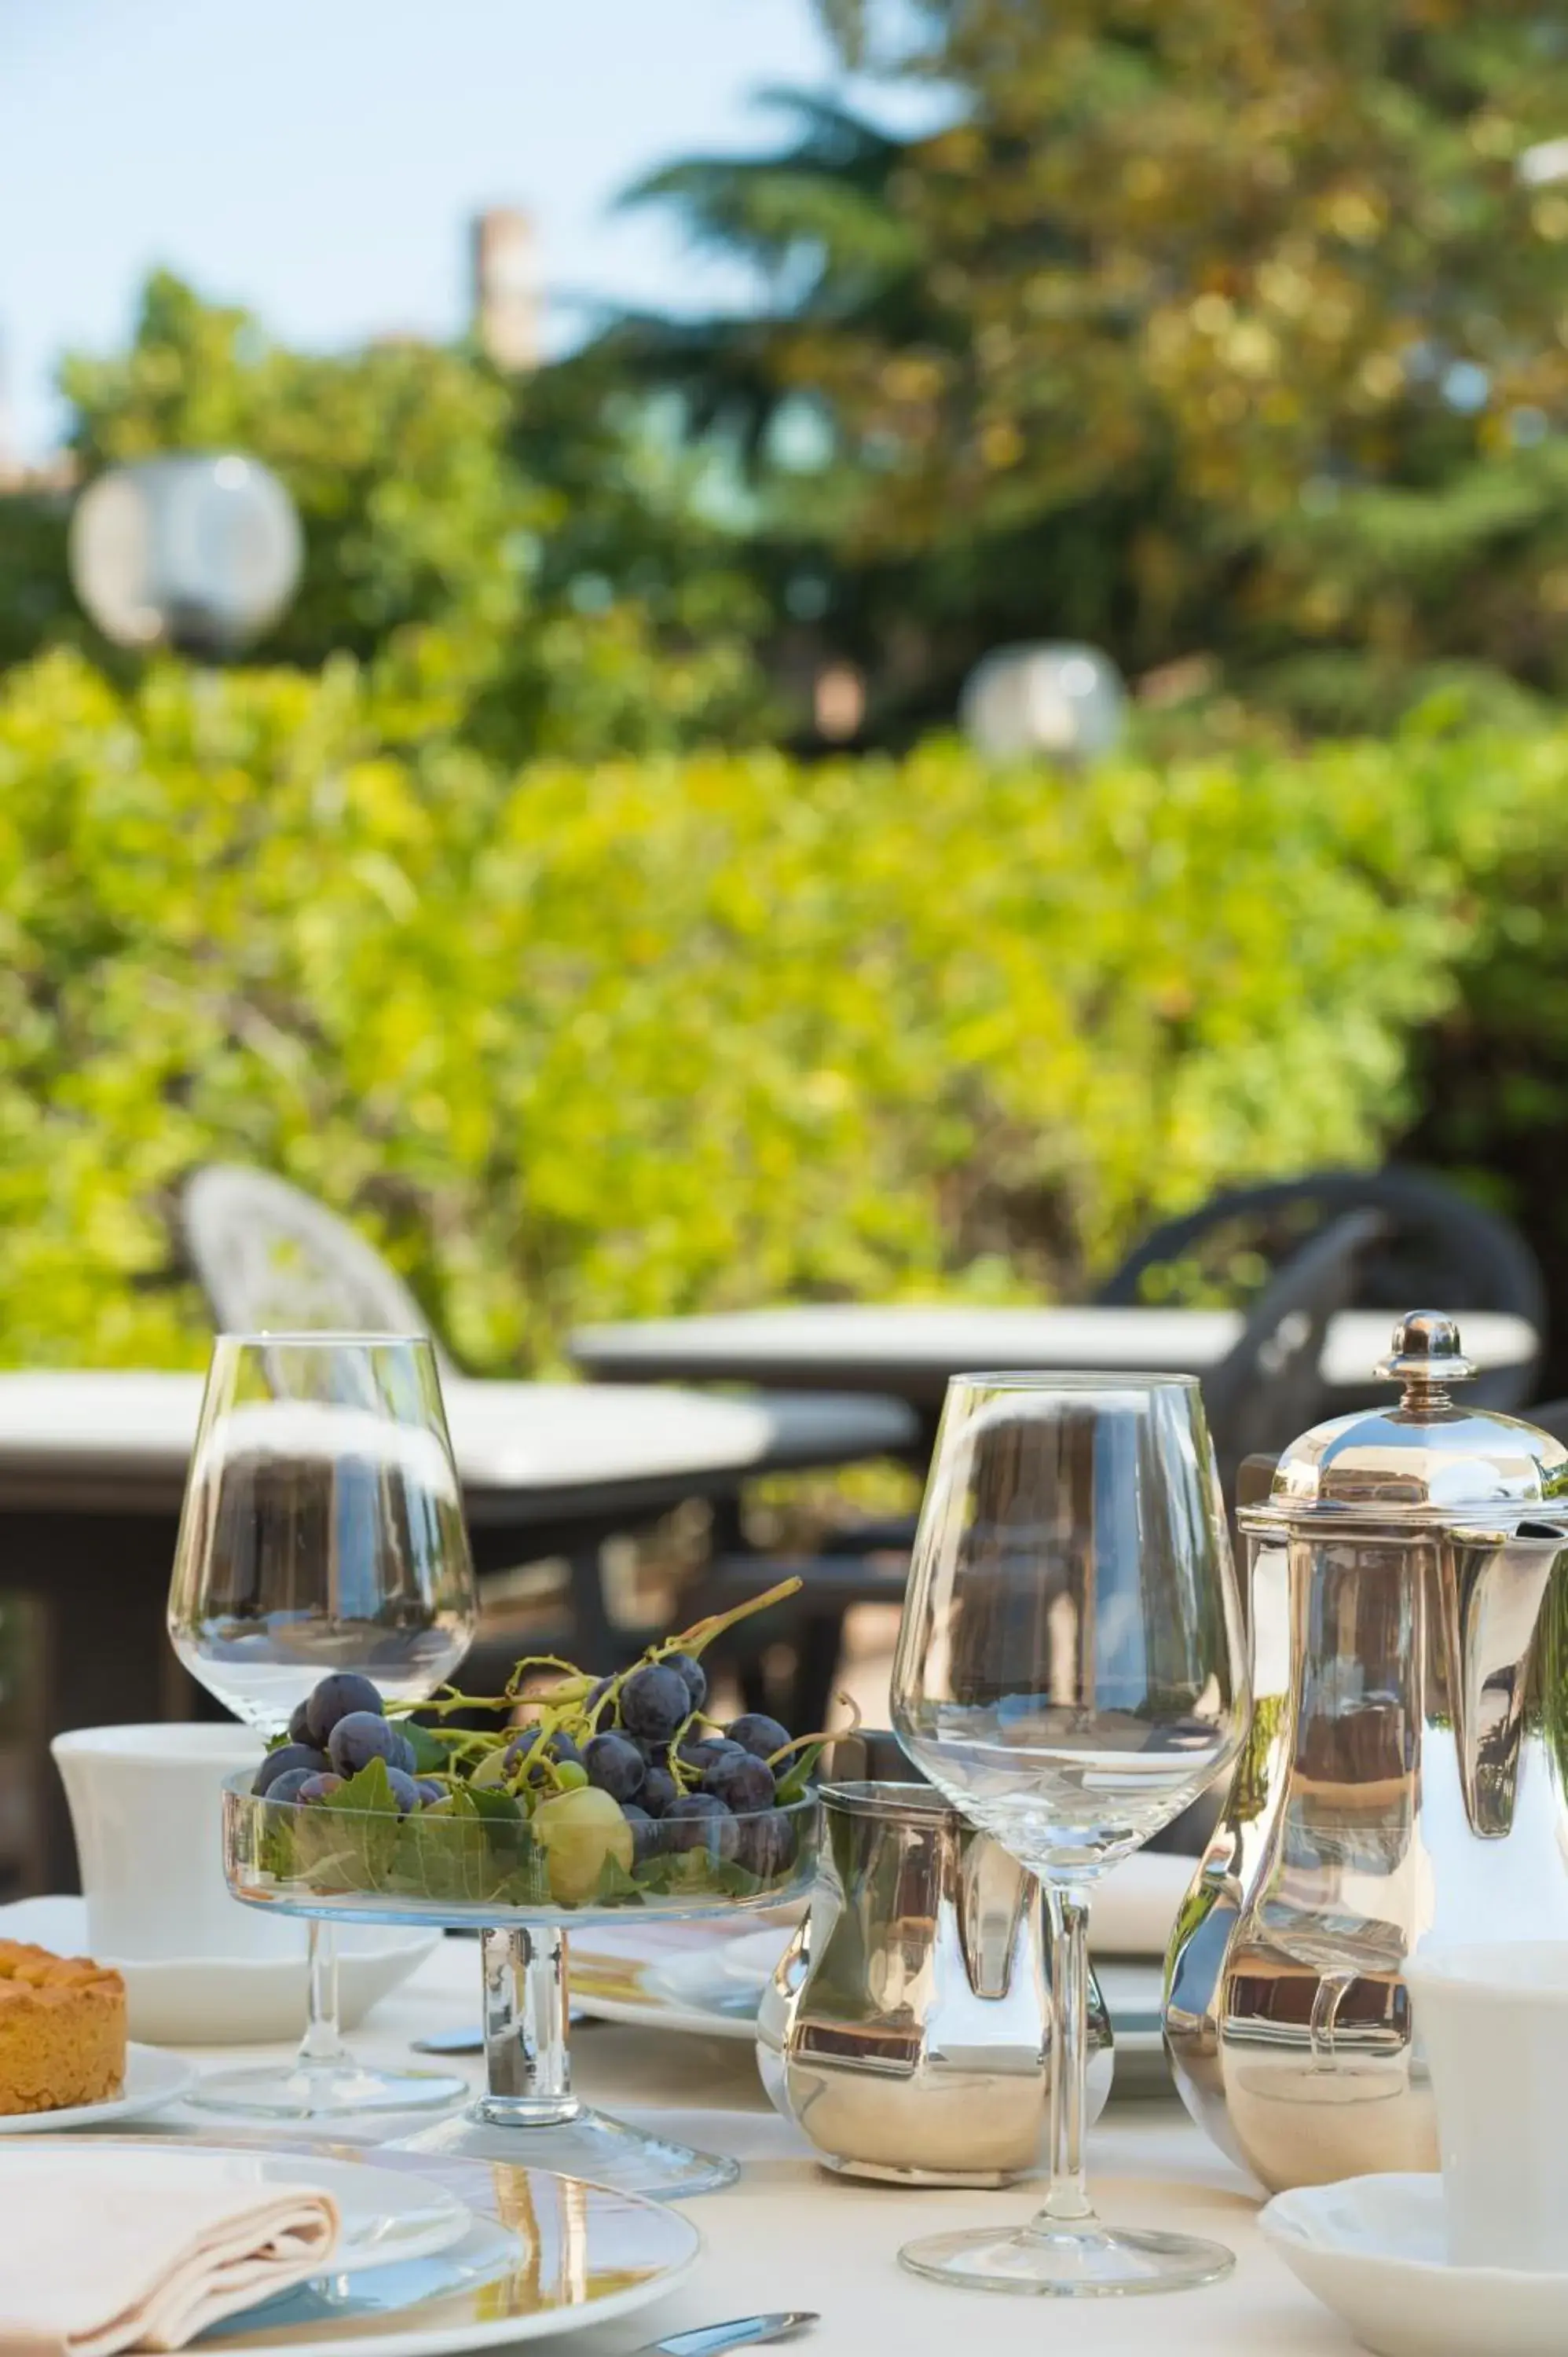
(1400,1783)
(907,2027)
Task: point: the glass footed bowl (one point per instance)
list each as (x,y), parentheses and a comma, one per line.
(491,1872)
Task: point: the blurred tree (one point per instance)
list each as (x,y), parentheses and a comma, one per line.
(1223,328)
(427,545)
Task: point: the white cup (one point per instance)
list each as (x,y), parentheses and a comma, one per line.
(1492,2018)
(146,1810)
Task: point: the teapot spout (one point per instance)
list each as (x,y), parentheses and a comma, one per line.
(1494,1597)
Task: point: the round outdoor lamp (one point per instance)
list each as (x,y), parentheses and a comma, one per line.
(196,552)
(1067,702)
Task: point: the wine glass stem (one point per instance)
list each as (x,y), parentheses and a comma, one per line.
(322,2046)
(528,2066)
(1068,2203)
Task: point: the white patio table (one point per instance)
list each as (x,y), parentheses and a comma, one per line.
(907,1349)
(790,2235)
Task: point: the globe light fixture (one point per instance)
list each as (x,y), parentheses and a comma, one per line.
(197,552)
(1066,702)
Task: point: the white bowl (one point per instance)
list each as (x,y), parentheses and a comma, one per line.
(230,2000)
(1374,2249)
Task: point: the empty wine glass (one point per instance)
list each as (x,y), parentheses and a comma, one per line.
(322,1530)
(1071,1672)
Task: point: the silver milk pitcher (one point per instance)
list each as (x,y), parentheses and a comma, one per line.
(907,2029)
(1404,1779)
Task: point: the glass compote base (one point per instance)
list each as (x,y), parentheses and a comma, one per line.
(495,1880)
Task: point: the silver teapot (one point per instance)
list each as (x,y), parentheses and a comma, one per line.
(1403,1777)
(907,2027)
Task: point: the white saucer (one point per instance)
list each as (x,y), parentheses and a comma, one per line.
(152,2081)
(388,2218)
(1373,2250)
(228,2000)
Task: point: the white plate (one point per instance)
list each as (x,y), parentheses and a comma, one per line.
(1373,2250)
(389,2218)
(545,2255)
(713,1991)
(229,2000)
(153,2081)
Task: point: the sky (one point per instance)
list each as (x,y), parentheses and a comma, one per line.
(319,160)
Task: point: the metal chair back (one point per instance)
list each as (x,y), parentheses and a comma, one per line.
(269,1257)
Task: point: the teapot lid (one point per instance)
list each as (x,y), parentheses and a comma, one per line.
(1426,1459)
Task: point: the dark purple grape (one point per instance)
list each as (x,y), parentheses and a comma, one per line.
(654,1701)
(287,1757)
(291,1784)
(659,1789)
(644,1831)
(741,1783)
(429,1790)
(706,1751)
(529,1751)
(767,1845)
(339,1696)
(696,1677)
(616,1765)
(600,1687)
(697,1821)
(362,1737)
(319,1787)
(300,1723)
(756,1733)
(404,1792)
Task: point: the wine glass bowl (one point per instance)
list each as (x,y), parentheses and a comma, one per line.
(1071,1674)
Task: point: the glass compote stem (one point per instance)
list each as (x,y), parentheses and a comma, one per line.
(528,2111)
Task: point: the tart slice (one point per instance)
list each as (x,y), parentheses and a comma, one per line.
(63,2030)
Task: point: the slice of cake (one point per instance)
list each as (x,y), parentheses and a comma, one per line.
(63,2030)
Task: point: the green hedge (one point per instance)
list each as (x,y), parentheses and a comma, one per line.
(639,1038)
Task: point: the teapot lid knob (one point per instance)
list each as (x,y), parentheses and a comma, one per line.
(1425,1357)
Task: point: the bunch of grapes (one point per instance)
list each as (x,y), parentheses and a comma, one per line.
(618,1769)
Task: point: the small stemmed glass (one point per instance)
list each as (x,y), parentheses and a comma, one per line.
(1071,1674)
(322,1530)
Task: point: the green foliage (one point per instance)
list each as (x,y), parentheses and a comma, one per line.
(515,612)
(645,1036)
(1228,329)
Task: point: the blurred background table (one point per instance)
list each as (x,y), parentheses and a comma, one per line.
(908,1350)
(93,1470)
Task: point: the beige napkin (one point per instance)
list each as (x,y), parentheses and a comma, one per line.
(129,2258)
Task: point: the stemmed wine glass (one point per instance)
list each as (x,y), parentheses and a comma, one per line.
(322,1530)
(1071,1674)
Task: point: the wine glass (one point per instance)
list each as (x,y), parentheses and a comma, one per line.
(1071,1674)
(322,1530)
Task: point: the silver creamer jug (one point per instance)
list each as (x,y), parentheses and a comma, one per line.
(1403,1779)
(908,2028)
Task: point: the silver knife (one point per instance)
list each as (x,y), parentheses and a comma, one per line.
(741,2332)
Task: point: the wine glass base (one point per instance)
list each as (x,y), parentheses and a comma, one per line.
(1064,2262)
(325,2091)
(583,2144)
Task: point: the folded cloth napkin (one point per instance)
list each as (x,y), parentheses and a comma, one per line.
(128,2258)
(1130,1912)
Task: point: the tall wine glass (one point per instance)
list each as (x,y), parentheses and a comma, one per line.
(322,1530)
(1071,1672)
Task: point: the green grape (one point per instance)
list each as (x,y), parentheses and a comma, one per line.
(570,1776)
(578,1830)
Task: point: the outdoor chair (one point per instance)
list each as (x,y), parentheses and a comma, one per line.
(1438,1249)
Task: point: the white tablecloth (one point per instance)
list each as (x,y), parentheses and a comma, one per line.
(790,2235)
